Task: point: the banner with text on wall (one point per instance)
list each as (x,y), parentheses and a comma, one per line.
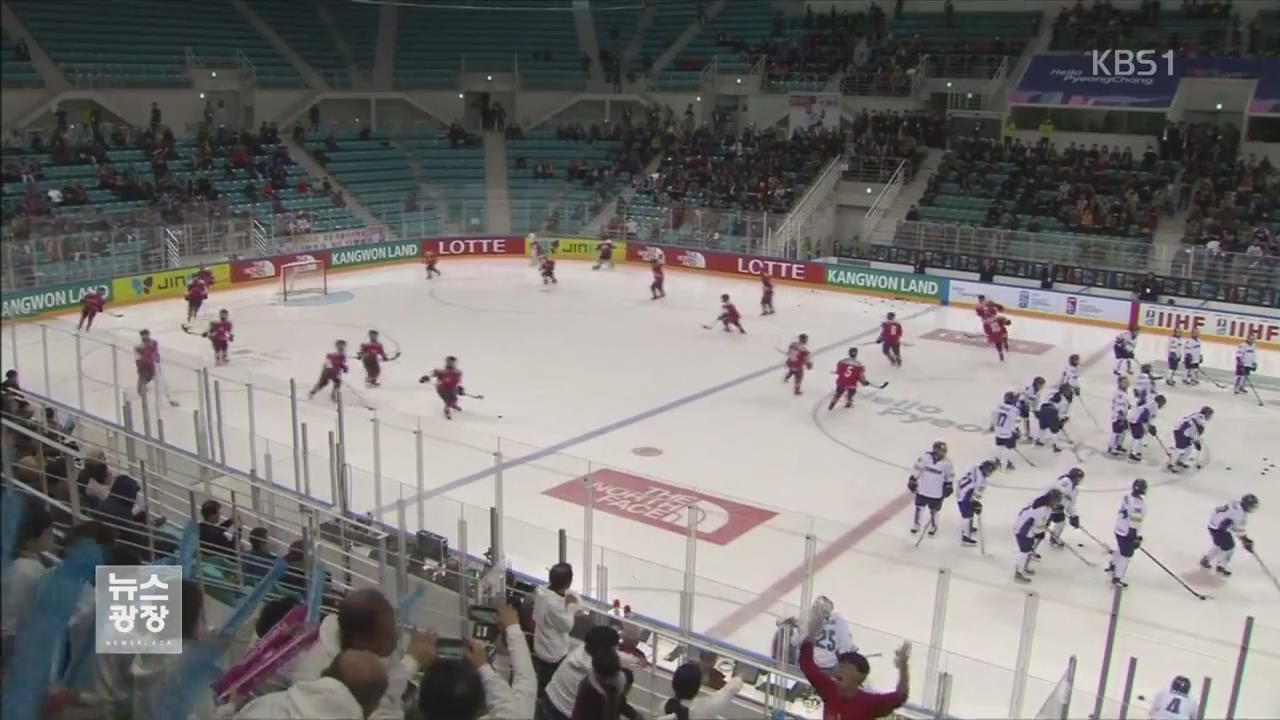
(905,286)
(269,267)
(1074,80)
(165,283)
(579,248)
(733,263)
(479,245)
(39,301)
(1090,309)
(1212,324)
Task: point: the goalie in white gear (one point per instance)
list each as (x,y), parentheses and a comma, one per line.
(931,482)
(831,636)
(1175,702)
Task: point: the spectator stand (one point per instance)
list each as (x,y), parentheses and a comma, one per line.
(16,69)
(143,43)
(303,27)
(560,179)
(84,206)
(438,45)
(1200,29)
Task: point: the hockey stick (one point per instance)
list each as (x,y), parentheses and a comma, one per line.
(1102,545)
(1249,382)
(1173,575)
(1217,384)
(468,395)
(1266,571)
(115,314)
(164,388)
(982,536)
(359,398)
(1079,557)
(1074,450)
(1025,459)
(1088,412)
(1091,536)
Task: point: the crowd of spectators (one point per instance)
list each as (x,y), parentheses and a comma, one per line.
(879,141)
(1096,189)
(1102,26)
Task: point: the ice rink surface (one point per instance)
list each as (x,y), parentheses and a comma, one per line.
(591,376)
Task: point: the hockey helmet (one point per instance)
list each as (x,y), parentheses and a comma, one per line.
(1139,487)
(1076,474)
(1181,685)
(1249,502)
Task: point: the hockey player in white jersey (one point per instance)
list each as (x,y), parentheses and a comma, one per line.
(1175,702)
(1004,423)
(1175,355)
(1071,377)
(931,481)
(1122,348)
(831,639)
(1120,406)
(1144,383)
(1129,518)
(1028,529)
(1188,436)
(969,498)
(1246,363)
(1052,416)
(1142,419)
(1191,358)
(1029,402)
(1068,486)
(1227,522)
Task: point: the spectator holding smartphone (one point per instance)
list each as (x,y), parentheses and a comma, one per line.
(553,609)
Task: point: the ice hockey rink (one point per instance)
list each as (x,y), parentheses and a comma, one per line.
(592,377)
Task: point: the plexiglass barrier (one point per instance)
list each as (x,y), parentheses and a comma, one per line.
(1004,650)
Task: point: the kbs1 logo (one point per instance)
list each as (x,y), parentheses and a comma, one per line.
(1131,63)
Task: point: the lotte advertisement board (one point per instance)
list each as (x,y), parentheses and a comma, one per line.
(470,246)
(733,263)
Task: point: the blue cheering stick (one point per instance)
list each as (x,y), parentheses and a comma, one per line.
(315,590)
(409,601)
(243,611)
(56,597)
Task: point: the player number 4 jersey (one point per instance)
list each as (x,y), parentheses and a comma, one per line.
(1169,705)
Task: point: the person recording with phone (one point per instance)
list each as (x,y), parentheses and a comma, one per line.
(553,610)
(460,684)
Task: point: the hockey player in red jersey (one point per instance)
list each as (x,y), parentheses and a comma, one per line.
(729,316)
(798,360)
(197,291)
(221,337)
(890,339)
(766,295)
(849,375)
(548,270)
(997,330)
(429,259)
(94,303)
(205,275)
(371,355)
(606,255)
(656,290)
(986,309)
(146,357)
(335,366)
(448,385)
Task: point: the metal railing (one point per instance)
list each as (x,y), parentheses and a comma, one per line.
(778,242)
(966,66)
(373,467)
(888,195)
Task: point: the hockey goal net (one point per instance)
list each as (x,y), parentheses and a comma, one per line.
(304,278)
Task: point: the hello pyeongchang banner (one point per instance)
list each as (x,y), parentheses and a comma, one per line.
(1147,81)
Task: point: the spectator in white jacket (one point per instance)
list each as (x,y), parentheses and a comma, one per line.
(365,621)
(562,691)
(553,610)
(350,689)
(469,688)
(35,537)
(687,704)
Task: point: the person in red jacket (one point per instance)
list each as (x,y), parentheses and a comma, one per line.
(843,697)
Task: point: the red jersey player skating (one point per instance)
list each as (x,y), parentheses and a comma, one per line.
(548,270)
(987,310)
(220,336)
(205,275)
(890,339)
(371,355)
(430,259)
(849,375)
(798,360)
(729,317)
(335,365)
(448,385)
(766,295)
(197,291)
(656,290)
(997,330)
(94,303)
(146,357)
(606,255)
